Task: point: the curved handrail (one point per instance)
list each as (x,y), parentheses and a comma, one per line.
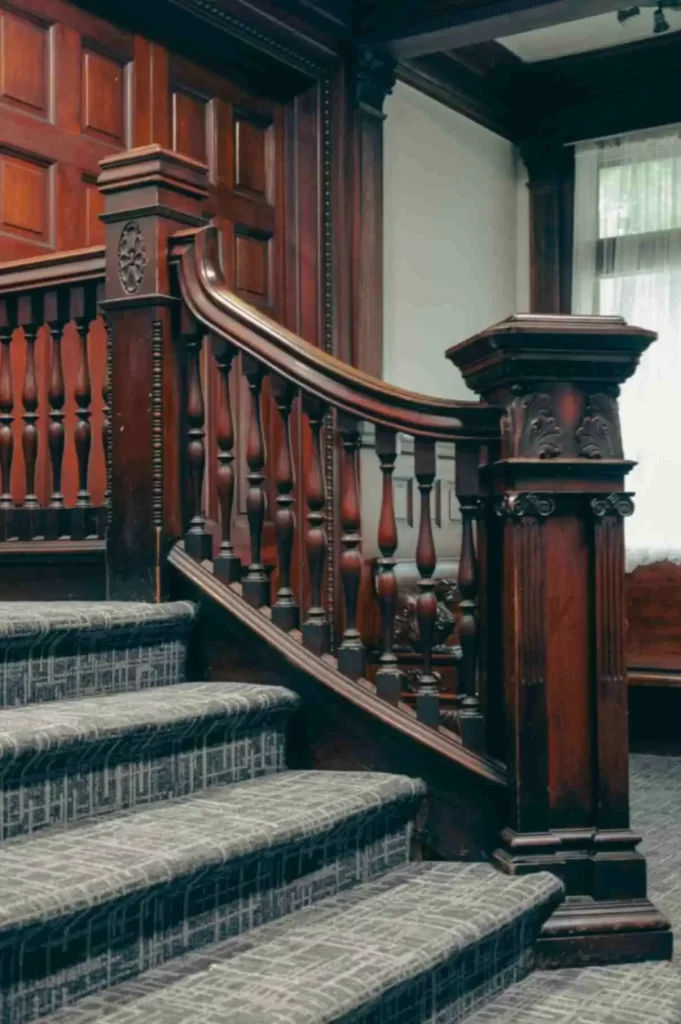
(341,386)
(53,270)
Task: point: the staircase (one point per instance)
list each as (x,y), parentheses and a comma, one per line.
(160,862)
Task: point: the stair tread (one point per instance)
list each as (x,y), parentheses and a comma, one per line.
(22,620)
(43,727)
(65,871)
(326,962)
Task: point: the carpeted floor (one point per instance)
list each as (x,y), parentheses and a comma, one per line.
(639,994)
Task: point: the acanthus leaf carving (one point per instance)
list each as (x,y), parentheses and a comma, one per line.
(407,636)
(599,434)
(531,429)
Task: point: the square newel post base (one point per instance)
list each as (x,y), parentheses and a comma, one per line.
(554,507)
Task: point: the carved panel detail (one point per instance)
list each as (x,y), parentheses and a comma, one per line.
(600,436)
(614,504)
(132,257)
(530,428)
(407,637)
(519,505)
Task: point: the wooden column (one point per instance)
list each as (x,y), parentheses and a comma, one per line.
(373,78)
(558,491)
(551,170)
(149,194)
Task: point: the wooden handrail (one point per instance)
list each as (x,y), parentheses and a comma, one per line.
(341,386)
(52,271)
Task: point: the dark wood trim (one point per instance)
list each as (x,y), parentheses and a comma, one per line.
(409,28)
(654,677)
(324,671)
(465,81)
(551,182)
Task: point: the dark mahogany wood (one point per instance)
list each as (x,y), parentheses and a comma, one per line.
(83,311)
(8,324)
(31,317)
(389,678)
(227,563)
(256,583)
(57,315)
(316,630)
(285,611)
(427,698)
(351,653)
(558,489)
(471,722)
(197,538)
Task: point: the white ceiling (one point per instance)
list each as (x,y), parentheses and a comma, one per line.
(586,34)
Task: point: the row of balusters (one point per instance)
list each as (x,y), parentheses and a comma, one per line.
(285,611)
(54,309)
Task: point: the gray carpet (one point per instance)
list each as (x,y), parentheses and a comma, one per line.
(640,994)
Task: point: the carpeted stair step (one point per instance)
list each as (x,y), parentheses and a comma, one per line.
(58,650)
(71,760)
(426,944)
(86,907)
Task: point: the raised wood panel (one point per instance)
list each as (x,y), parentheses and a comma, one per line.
(189,124)
(93,206)
(251,260)
(103,87)
(25,197)
(23,62)
(252,155)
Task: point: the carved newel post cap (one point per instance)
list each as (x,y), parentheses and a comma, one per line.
(526,351)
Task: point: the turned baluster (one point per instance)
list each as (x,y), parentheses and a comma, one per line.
(388,677)
(316,633)
(106,403)
(31,320)
(57,315)
(83,311)
(197,539)
(351,653)
(8,323)
(427,698)
(256,584)
(285,611)
(227,566)
(471,722)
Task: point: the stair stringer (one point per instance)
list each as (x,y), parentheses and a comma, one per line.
(343,724)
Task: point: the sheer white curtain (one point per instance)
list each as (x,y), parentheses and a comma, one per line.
(627,260)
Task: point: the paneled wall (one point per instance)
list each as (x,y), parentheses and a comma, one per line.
(75,88)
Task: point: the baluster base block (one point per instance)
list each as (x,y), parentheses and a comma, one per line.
(227,569)
(428,708)
(471,728)
(286,616)
(256,590)
(352,659)
(199,546)
(317,637)
(389,685)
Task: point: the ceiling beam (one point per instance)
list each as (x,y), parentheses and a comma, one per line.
(411,28)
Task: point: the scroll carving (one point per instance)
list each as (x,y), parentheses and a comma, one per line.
(599,436)
(614,504)
(132,257)
(519,505)
(530,428)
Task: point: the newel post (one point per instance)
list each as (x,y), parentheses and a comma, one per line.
(149,194)
(555,507)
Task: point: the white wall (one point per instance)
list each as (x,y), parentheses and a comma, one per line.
(456,248)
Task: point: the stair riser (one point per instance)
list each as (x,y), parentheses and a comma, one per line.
(62,670)
(86,781)
(451,991)
(45,967)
